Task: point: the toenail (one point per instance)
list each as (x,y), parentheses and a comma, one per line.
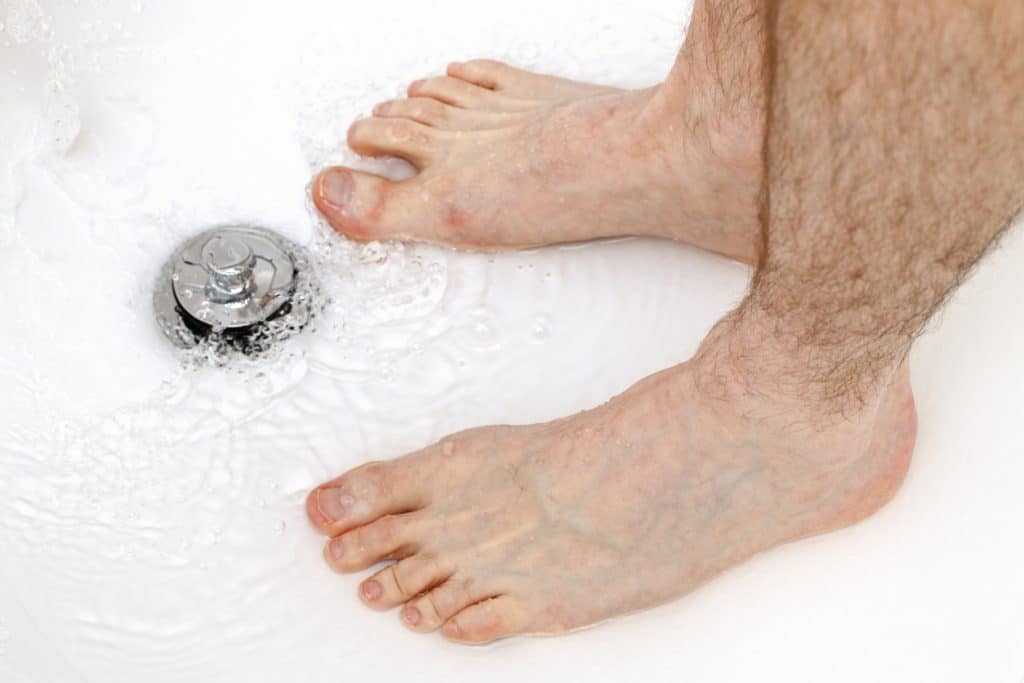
(411,615)
(382,108)
(333,503)
(451,629)
(371,589)
(337,548)
(336,186)
(415,85)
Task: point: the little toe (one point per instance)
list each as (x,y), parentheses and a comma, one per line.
(432,609)
(486,621)
(431,112)
(388,537)
(487,73)
(500,77)
(363,495)
(460,93)
(399,137)
(399,582)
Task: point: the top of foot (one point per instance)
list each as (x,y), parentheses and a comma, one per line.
(508,158)
(549,528)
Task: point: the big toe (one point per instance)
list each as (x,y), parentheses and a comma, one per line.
(363,495)
(364,206)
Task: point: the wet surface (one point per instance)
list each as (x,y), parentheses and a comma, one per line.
(234,290)
(151,516)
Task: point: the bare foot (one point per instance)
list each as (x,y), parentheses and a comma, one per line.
(548,528)
(508,159)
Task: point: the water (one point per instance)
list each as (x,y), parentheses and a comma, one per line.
(151,516)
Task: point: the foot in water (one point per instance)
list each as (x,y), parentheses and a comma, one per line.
(548,528)
(507,158)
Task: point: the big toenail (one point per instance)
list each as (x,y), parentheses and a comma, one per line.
(372,590)
(336,186)
(411,615)
(337,548)
(333,503)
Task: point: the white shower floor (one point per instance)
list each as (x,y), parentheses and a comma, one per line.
(151,521)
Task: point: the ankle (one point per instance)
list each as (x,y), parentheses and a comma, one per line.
(745,362)
(713,131)
(710,168)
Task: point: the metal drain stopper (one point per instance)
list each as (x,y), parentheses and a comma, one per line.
(229,280)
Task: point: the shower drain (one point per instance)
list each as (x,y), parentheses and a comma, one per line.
(241,285)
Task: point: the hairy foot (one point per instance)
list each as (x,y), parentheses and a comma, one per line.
(508,158)
(548,528)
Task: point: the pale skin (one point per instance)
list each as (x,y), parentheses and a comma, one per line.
(861,155)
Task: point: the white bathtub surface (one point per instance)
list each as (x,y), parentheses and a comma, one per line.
(151,521)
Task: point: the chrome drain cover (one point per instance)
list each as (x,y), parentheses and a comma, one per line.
(230,281)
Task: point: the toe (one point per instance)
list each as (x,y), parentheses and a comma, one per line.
(486,621)
(487,73)
(460,93)
(508,80)
(425,110)
(388,537)
(410,140)
(365,207)
(437,114)
(430,610)
(364,494)
(402,580)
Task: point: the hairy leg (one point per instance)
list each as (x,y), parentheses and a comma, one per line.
(508,158)
(894,159)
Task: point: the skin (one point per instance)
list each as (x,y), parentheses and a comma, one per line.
(668,163)
(863,155)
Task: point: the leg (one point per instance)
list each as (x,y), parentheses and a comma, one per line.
(508,158)
(896,158)
(796,415)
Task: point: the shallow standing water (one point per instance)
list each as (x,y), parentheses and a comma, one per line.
(151,519)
